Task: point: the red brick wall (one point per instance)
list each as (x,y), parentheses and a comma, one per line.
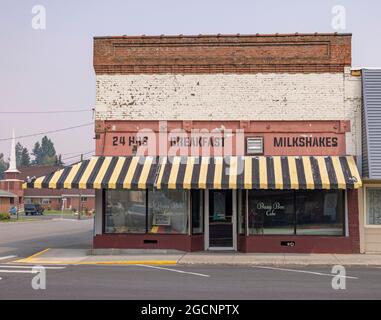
(222,53)
(4,205)
(159,241)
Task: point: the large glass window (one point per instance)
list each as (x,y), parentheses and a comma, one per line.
(320,212)
(125,211)
(168,211)
(197,211)
(309,212)
(271,212)
(373,206)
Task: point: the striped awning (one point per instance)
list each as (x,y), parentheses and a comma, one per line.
(234,172)
(245,172)
(102,172)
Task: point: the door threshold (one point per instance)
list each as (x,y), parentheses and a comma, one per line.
(221,249)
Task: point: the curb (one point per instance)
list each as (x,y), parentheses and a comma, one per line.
(132,262)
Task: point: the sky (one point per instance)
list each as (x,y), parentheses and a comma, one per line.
(51,69)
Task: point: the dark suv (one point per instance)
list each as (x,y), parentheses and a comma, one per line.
(32,209)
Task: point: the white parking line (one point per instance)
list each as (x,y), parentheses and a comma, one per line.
(304,271)
(27,267)
(7,257)
(17,271)
(174,270)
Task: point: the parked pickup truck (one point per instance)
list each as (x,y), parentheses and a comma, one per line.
(33,209)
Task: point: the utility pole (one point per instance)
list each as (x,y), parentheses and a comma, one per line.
(80,196)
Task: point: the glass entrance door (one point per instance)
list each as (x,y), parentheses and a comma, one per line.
(221,219)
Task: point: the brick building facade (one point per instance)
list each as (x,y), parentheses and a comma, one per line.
(233,80)
(233,142)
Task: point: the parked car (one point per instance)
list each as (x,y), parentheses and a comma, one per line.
(33,209)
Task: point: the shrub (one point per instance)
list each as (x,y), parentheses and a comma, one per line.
(5,216)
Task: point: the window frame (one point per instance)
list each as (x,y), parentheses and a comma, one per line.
(202,206)
(365,193)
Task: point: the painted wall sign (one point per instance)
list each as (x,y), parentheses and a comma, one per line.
(212,138)
(291,142)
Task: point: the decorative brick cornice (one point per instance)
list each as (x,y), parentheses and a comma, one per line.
(222,54)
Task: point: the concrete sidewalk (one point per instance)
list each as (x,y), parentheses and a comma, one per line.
(173,257)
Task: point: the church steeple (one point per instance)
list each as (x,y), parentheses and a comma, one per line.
(12,170)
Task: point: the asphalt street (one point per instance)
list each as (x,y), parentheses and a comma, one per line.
(18,240)
(26,238)
(191,282)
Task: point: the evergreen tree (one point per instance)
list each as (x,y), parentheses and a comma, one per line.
(25,158)
(3,165)
(22,156)
(37,153)
(59,160)
(19,148)
(44,153)
(48,151)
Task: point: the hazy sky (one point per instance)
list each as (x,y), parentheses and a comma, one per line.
(52,69)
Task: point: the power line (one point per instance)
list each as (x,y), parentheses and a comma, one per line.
(45,112)
(75,162)
(51,131)
(76,152)
(78,155)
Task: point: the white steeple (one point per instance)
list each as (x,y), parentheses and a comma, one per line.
(12,163)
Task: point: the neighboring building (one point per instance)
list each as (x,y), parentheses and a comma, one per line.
(54,199)
(12,193)
(11,182)
(7,200)
(370,197)
(240,142)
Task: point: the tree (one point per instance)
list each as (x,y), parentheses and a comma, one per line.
(22,156)
(59,160)
(37,153)
(48,151)
(44,153)
(25,158)
(3,165)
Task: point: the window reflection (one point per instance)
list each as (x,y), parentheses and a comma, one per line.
(168,211)
(125,211)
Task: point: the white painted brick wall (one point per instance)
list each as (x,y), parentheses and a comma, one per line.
(324,96)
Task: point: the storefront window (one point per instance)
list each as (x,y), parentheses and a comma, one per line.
(241,211)
(320,213)
(125,211)
(373,206)
(168,211)
(271,212)
(197,211)
(301,212)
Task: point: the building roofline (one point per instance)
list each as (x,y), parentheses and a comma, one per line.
(224,35)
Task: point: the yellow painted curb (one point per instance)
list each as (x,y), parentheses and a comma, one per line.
(32,260)
(26,260)
(131,262)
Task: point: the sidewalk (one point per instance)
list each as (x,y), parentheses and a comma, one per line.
(173,257)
